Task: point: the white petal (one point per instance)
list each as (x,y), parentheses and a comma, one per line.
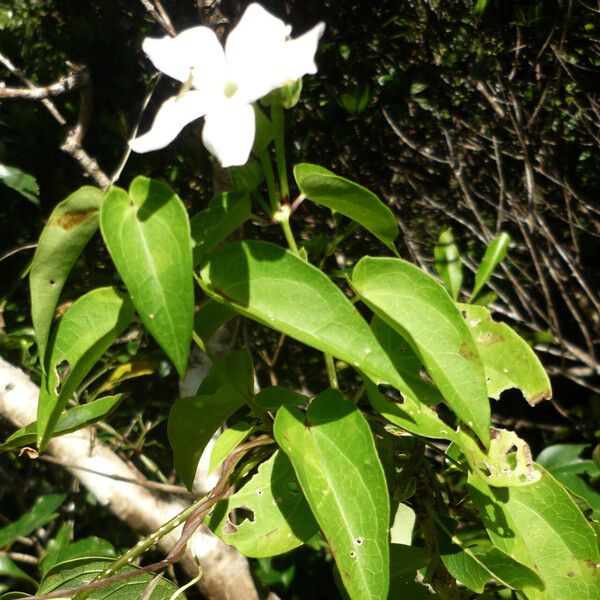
(251,49)
(170,119)
(299,55)
(196,50)
(229,133)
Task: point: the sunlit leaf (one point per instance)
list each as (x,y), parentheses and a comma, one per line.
(419,308)
(349,199)
(277,517)
(81,337)
(147,233)
(332,450)
(494,255)
(70,226)
(71,420)
(508,361)
(447,263)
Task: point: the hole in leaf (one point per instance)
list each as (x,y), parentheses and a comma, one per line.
(62,370)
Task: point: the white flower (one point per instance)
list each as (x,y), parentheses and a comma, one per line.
(222,85)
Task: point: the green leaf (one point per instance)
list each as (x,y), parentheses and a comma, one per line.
(349,199)
(447,263)
(230,439)
(276,288)
(21,182)
(540,526)
(70,226)
(211,316)
(410,415)
(405,561)
(508,360)
(278,518)
(401,531)
(81,571)
(209,227)
(193,421)
(274,397)
(564,463)
(147,233)
(72,420)
(81,337)
(39,514)
(494,255)
(474,566)
(406,361)
(419,308)
(9,569)
(332,450)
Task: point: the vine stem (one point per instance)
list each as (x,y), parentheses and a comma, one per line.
(279,134)
(191,517)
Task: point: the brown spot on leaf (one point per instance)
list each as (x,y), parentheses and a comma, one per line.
(488,338)
(69,220)
(467,351)
(545,395)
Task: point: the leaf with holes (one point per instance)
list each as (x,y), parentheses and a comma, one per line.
(70,226)
(71,420)
(278,516)
(508,361)
(540,526)
(332,450)
(81,337)
(276,288)
(147,233)
(349,199)
(417,306)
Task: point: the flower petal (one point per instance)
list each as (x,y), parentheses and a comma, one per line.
(196,50)
(170,119)
(229,133)
(253,49)
(298,57)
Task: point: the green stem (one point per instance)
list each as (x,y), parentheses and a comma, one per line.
(331,372)
(289,236)
(267,167)
(278,129)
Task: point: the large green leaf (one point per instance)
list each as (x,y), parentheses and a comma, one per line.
(447,263)
(81,337)
(280,290)
(540,525)
(278,516)
(147,233)
(494,255)
(508,361)
(39,514)
(193,421)
(70,226)
(474,566)
(224,214)
(72,420)
(349,199)
(78,572)
(332,450)
(419,308)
